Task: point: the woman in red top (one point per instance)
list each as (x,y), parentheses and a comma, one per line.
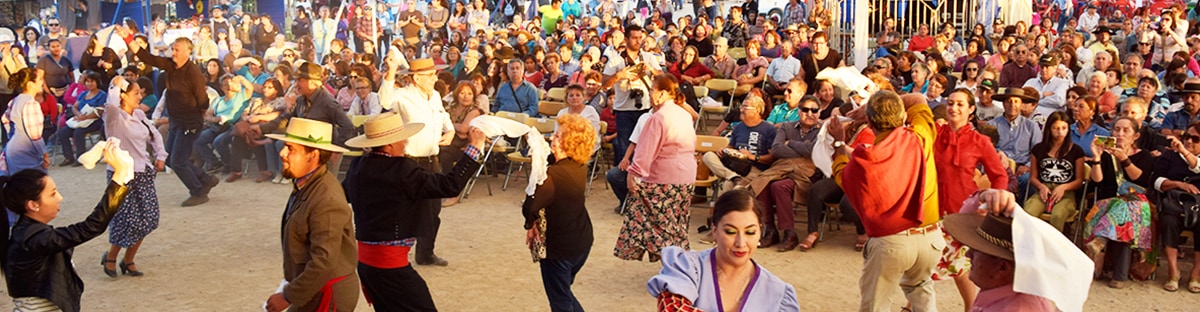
(957,151)
(922,40)
(689,69)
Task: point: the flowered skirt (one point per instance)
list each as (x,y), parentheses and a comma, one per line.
(657,218)
(1126,219)
(138,215)
(954,258)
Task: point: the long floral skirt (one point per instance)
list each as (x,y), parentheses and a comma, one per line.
(657,218)
(1125,219)
(138,215)
(954,261)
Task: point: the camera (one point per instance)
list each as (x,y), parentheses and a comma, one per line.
(636,95)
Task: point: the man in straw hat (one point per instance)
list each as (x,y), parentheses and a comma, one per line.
(316,225)
(314,103)
(1018,134)
(899,208)
(389,193)
(419,101)
(1019,262)
(187,101)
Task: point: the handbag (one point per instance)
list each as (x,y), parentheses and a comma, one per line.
(1124,187)
(537,246)
(1182,204)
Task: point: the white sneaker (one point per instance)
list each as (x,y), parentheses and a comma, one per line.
(278,179)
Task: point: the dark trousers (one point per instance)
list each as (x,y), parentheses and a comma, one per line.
(827,191)
(1118,257)
(215,140)
(427,229)
(399,289)
(179,150)
(557,277)
(626,120)
(778,194)
(66,134)
(616,178)
(241,150)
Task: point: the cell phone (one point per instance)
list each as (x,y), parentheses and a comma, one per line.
(1107,141)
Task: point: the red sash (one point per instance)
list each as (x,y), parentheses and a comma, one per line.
(327,294)
(382,256)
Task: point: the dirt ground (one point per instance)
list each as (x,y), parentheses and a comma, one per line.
(225,255)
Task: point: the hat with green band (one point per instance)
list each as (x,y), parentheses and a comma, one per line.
(311,133)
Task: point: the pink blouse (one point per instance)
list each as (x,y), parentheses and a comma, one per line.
(666,150)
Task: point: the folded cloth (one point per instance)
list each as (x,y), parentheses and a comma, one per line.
(91,157)
(539,150)
(1048,264)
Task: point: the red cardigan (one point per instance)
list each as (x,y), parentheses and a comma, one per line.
(957,154)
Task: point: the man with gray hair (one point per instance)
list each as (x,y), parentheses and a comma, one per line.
(891,184)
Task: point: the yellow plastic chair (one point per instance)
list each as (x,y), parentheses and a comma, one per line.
(557,94)
(550,108)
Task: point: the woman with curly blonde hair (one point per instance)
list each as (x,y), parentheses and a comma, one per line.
(556,216)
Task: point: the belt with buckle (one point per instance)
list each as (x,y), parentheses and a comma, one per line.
(917,230)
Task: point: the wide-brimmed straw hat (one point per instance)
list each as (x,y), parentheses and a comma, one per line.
(421,65)
(384,129)
(1014,92)
(311,133)
(990,235)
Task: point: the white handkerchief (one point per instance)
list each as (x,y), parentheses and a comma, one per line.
(1048,264)
(91,157)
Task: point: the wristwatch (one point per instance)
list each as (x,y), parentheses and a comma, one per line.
(838,144)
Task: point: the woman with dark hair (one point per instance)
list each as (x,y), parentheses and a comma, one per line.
(818,56)
(1058,169)
(458,21)
(213,71)
(302,24)
(29,45)
(86,119)
(973,54)
(689,69)
(101,60)
(661,172)
(26,148)
(264,34)
(36,256)
(1170,180)
(970,73)
(958,151)
(555,216)
(726,275)
(139,212)
(260,110)
(1122,221)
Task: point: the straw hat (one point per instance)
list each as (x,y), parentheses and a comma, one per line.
(308,70)
(421,65)
(311,133)
(990,235)
(384,129)
(1014,92)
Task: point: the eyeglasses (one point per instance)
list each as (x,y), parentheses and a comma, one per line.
(1190,138)
(971,69)
(53,25)
(1144,43)
(810,110)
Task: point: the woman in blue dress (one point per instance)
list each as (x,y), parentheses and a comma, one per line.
(724,277)
(24,122)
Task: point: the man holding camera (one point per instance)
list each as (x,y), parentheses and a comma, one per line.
(630,77)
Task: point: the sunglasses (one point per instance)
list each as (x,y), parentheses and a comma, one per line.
(881,67)
(1189,138)
(810,110)
(53,25)
(971,69)
(1144,44)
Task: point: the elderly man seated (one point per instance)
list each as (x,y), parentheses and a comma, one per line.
(749,146)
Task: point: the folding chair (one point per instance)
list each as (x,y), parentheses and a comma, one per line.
(550,108)
(543,125)
(599,156)
(487,154)
(557,94)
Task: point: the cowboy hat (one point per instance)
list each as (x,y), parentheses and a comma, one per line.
(990,235)
(421,65)
(384,129)
(1190,87)
(311,133)
(1014,92)
(505,54)
(311,71)
(1103,29)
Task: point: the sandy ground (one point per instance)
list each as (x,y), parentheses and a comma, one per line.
(225,255)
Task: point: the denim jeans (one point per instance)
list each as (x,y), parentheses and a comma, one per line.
(205,146)
(616,178)
(626,120)
(557,277)
(179,149)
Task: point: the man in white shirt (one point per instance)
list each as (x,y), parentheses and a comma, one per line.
(628,73)
(366,103)
(1051,88)
(781,70)
(419,102)
(1089,20)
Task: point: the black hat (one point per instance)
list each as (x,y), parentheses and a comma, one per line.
(1103,29)
(1048,59)
(1014,92)
(1190,87)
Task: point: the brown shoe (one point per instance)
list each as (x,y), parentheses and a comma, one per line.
(233,177)
(790,241)
(264,176)
(768,239)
